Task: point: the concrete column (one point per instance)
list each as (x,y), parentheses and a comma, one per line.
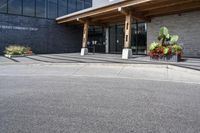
(84,49)
(127,51)
(107,41)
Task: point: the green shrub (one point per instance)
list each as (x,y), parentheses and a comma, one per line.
(166,50)
(177,49)
(166,45)
(153,46)
(16,50)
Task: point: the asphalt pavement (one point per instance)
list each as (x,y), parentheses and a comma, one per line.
(98,98)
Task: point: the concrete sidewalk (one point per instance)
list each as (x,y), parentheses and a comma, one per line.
(132,71)
(191,63)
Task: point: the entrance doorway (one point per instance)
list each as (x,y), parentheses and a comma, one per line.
(116,35)
(139,38)
(97,39)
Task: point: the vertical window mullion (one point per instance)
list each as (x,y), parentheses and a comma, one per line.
(35,8)
(22,6)
(47,8)
(76,6)
(57,8)
(7,6)
(52,9)
(136,37)
(67,6)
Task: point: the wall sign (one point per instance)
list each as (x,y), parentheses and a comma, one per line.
(6,27)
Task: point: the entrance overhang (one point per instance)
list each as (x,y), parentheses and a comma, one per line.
(141,10)
(125,11)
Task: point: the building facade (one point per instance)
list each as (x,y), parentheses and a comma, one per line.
(145,17)
(32,23)
(185,25)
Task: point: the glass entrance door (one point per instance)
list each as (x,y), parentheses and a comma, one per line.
(138,41)
(116,38)
(139,38)
(96,39)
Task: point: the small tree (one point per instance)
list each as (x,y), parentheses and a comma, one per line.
(165,38)
(166,45)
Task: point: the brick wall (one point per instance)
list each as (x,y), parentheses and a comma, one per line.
(42,35)
(186,25)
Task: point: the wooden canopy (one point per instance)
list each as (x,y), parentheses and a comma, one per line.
(141,10)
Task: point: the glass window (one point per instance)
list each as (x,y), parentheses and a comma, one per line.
(80,4)
(88,3)
(62,10)
(71,6)
(15,6)
(41,8)
(139,38)
(52,8)
(29,7)
(3,6)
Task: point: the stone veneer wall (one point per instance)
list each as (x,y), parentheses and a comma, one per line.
(42,35)
(186,25)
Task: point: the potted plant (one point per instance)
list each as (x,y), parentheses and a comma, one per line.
(167,48)
(28,51)
(17,50)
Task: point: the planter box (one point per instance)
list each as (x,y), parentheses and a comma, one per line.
(10,56)
(169,58)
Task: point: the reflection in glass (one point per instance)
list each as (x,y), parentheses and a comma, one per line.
(112,39)
(52,8)
(96,39)
(142,37)
(71,6)
(116,38)
(3,6)
(88,3)
(29,7)
(15,6)
(62,10)
(41,8)
(80,4)
(139,38)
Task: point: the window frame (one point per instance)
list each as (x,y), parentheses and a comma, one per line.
(6,8)
(34,9)
(46,10)
(11,11)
